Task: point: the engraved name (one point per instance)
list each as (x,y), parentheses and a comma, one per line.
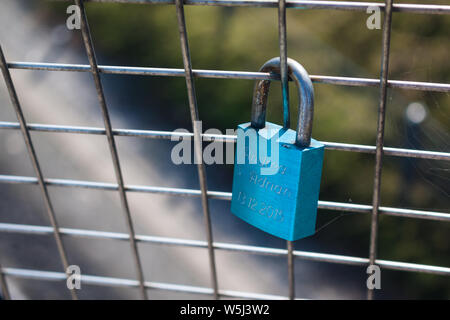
(266,184)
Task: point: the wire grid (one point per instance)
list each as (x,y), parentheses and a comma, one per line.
(379,150)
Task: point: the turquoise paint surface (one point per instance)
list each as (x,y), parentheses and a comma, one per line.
(283,204)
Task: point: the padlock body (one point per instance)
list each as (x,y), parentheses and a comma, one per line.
(277,193)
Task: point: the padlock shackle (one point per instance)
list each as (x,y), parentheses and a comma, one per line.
(305,99)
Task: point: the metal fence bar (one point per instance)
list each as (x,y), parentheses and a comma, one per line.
(267,251)
(291,269)
(283,61)
(120,282)
(34,160)
(226,74)
(152,134)
(4,285)
(110,281)
(87,39)
(197,140)
(300,4)
(286,119)
(389,151)
(380,136)
(220,195)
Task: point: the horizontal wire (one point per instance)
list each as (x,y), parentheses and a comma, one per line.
(152,134)
(220,195)
(111,281)
(220,74)
(300,4)
(304,255)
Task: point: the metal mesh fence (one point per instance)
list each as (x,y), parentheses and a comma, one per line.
(123,189)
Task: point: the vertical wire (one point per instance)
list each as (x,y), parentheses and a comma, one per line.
(283,61)
(4,285)
(286,120)
(37,168)
(87,39)
(197,139)
(291,279)
(380,136)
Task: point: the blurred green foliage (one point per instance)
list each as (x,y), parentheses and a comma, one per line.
(326,42)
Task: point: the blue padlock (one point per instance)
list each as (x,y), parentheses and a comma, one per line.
(277,171)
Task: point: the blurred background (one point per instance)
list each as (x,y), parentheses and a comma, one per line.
(325,42)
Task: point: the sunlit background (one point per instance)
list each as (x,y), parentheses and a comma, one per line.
(325,42)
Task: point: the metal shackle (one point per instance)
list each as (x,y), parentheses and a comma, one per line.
(305,90)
